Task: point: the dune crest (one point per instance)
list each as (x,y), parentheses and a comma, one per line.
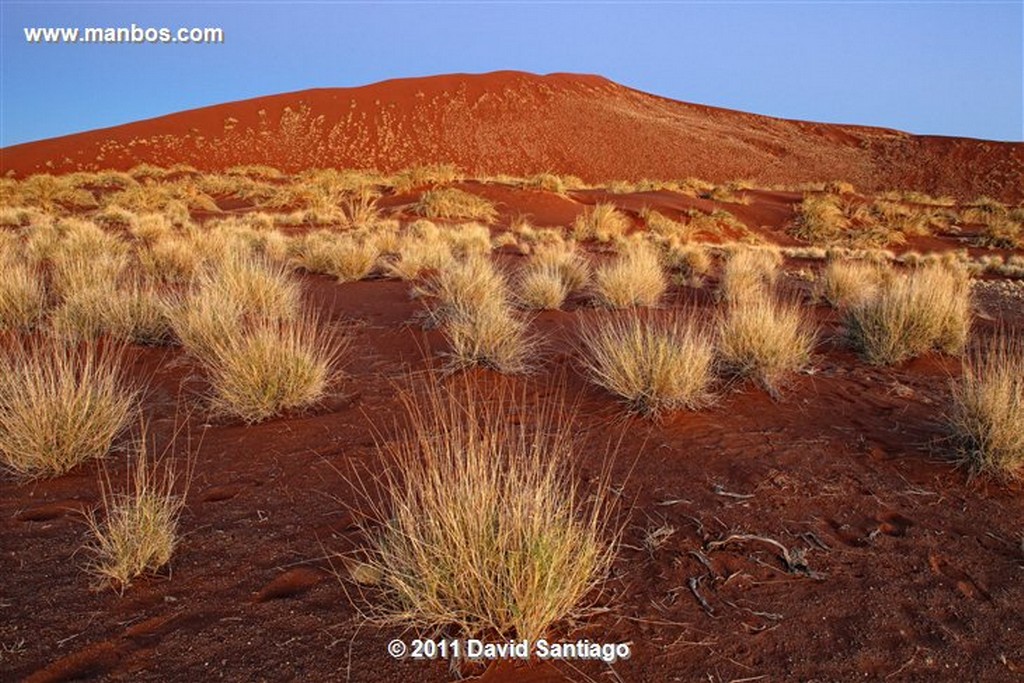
(519,123)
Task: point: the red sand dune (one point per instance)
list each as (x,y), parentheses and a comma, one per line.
(512,122)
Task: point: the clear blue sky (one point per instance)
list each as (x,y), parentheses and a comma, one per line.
(946,68)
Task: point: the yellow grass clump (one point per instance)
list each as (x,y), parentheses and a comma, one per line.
(541,288)
(483,527)
(601,222)
(139,529)
(749,274)
(418,255)
(60,405)
(270,366)
(471,302)
(988,409)
(345,257)
(848,283)
(450,202)
(929,308)
(635,278)
(820,219)
(553,272)
(652,363)
(492,336)
(128,310)
(22,295)
(765,339)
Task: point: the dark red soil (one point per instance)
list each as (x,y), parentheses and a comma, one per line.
(519,123)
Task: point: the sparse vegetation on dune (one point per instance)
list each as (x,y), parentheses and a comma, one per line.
(987,416)
(925,309)
(485,530)
(60,404)
(653,362)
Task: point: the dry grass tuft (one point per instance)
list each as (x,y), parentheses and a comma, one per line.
(635,278)
(60,405)
(749,274)
(483,527)
(22,295)
(765,339)
(450,202)
(988,410)
(139,531)
(653,363)
(270,366)
(601,222)
(929,308)
(491,336)
(849,283)
(820,219)
(344,257)
(541,288)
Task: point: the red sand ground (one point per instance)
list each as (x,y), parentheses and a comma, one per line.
(913,572)
(518,123)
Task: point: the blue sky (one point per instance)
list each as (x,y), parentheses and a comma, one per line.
(945,68)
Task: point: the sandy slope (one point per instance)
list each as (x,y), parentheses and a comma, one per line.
(512,122)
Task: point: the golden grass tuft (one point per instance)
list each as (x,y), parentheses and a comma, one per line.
(483,527)
(418,255)
(765,339)
(261,288)
(269,366)
(344,257)
(929,308)
(464,287)
(453,203)
(139,530)
(749,274)
(635,278)
(601,222)
(174,260)
(820,219)
(471,302)
(130,310)
(849,283)
(541,288)
(987,419)
(60,405)
(572,266)
(654,363)
(491,336)
(22,295)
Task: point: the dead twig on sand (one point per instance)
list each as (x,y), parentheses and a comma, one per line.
(693,583)
(792,559)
